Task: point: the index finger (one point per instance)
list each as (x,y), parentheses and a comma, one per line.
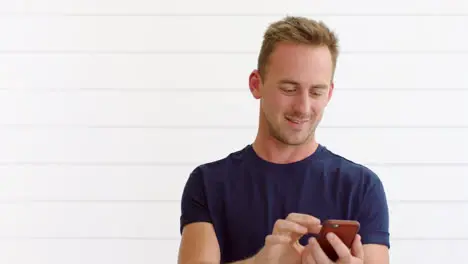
(312,223)
(343,252)
(356,248)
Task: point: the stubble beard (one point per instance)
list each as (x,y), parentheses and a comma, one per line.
(290,137)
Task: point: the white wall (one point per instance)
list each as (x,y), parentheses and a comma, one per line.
(95,150)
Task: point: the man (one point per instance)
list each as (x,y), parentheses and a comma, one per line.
(261,204)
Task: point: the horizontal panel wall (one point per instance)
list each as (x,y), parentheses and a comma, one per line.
(222,34)
(174,146)
(160,220)
(243,7)
(94,150)
(216,72)
(166,182)
(386,108)
(72,251)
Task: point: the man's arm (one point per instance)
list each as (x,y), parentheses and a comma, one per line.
(374,253)
(199,244)
(374,219)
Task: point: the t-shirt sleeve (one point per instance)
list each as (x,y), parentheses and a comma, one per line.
(194,206)
(374,215)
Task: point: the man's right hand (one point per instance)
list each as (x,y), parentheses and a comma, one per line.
(282,245)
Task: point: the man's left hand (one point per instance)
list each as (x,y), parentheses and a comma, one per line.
(313,253)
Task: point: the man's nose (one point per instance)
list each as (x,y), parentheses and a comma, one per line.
(302,103)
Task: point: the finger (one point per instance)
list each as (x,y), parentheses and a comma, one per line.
(312,223)
(294,230)
(271,240)
(307,257)
(341,249)
(357,248)
(316,251)
(314,229)
(286,227)
(304,219)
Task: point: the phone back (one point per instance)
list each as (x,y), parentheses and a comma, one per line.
(346,230)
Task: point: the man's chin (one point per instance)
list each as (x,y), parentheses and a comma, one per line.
(295,140)
(291,137)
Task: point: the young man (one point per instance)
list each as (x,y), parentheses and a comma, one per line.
(261,203)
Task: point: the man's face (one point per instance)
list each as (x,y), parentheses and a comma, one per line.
(295,91)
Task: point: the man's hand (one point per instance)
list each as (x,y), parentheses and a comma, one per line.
(282,246)
(313,253)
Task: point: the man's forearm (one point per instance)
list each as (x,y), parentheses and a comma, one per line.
(245,261)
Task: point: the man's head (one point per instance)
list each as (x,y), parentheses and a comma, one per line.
(294,78)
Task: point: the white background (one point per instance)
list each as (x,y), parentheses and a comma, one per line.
(95,149)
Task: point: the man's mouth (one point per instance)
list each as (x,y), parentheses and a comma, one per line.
(296,121)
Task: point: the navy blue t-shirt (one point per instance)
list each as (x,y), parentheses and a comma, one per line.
(243,195)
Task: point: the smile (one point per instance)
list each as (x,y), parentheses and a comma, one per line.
(296,121)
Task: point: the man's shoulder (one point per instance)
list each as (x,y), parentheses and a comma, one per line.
(218,168)
(349,169)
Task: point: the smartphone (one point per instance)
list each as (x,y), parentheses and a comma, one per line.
(346,230)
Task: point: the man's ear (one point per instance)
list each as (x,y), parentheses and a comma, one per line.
(255,83)
(330,92)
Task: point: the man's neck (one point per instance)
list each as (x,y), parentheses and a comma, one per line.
(274,151)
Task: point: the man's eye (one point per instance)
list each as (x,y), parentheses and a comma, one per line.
(316,92)
(288,90)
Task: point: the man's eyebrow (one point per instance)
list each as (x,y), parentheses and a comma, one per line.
(319,86)
(315,86)
(288,81)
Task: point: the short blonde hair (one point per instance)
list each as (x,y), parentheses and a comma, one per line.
(298,30)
